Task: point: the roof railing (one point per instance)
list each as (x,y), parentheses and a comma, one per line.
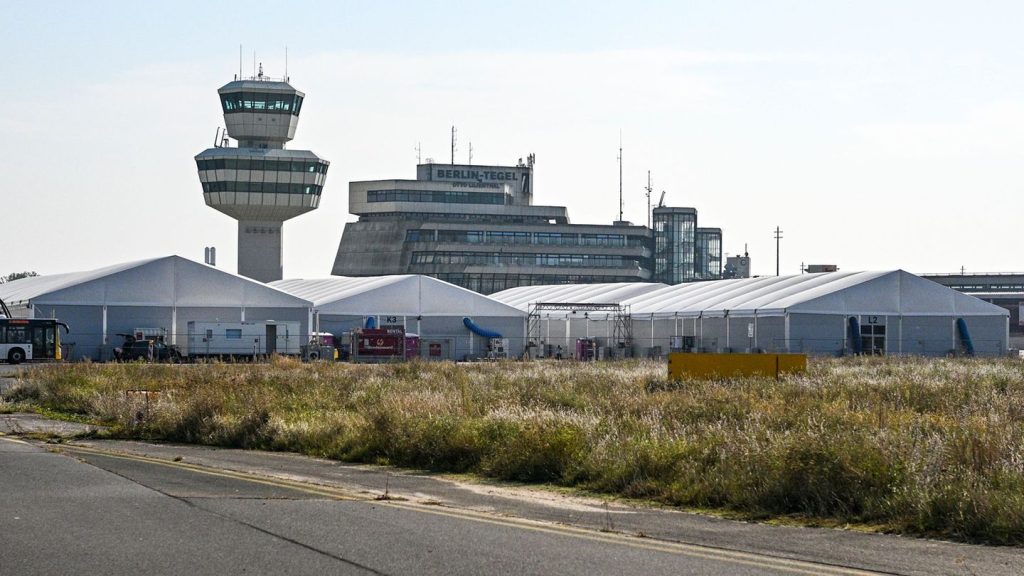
(970,274)
(262,78)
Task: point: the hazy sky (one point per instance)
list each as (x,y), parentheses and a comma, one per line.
(876,134)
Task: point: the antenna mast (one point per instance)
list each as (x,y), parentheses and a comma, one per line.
(453,144)
(620,175)
(239,61)
(778,236)
(286,63)
(470,152)
(419,154)
(648,198)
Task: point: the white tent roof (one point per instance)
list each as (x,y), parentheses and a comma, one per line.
(891,292)
(405,294)
(523,296)
(167,281)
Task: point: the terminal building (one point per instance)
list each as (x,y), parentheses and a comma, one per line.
(260,183)
(1004,289)
(477,227)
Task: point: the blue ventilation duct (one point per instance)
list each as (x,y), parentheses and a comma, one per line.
(965,336)
(478,330)
(371,322)
(855,335)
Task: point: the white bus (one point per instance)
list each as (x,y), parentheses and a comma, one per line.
(30,339)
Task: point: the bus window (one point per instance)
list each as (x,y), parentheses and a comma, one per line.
(17,335)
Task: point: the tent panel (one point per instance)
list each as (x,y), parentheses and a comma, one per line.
(818,333)
(928,335)
(988,335)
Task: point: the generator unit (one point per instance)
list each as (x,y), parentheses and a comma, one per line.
(388,344)
(497,349)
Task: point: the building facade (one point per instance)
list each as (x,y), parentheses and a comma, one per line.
(259,183)
(477,227)
(1004,289)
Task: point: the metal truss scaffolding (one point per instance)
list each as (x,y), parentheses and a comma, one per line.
(619,315)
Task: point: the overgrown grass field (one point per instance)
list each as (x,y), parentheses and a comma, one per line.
(909,445)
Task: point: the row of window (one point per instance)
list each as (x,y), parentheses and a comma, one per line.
(512,237)
(437,196)
(262,187)
(456,217)
(264,102)
(486,283)
(520,259)
(987,287)
(37,335)
(313,166)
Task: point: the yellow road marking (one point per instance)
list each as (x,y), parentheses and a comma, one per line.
(329,492)
(15,440)
(692,550)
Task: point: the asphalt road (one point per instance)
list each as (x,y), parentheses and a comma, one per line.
(78,510)
(119,507)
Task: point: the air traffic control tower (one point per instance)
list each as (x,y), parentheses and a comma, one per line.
(259,183)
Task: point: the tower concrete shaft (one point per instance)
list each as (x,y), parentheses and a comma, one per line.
(261,249)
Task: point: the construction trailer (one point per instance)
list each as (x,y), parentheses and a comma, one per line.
(241,339)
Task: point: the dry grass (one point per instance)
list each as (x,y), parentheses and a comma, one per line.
(918,446)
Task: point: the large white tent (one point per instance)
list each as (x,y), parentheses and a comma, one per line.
(613,293)
(891,312)
(163,293)
(433,309)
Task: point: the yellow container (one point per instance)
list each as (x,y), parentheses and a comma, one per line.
(686,365)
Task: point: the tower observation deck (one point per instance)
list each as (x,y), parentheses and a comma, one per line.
(260,183)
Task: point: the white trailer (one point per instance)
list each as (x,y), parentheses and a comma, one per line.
(243,338)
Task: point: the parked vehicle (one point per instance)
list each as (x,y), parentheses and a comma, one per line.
(148,349)
(29,339)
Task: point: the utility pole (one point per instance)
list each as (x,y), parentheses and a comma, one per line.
(648,199)
(778,236)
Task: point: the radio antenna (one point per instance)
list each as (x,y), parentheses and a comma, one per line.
(239,61)
(419,154)
(286,63)
(454,131)
(620,175)
(648,198)
(471,152)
